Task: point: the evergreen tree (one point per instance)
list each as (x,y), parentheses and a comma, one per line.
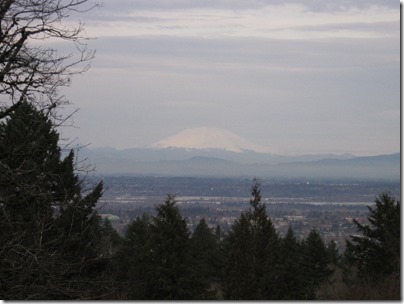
(48,228)
(160,261)
(207,257)
(239,270)
(132,260)
(376,250)
(251,254)
(316,264)
(291,275)
(203,249)
(219,261)
(110,240)
(333,253)
(171,276)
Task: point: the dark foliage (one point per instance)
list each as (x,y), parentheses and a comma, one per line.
(291,276)
(251,249)
(316,264)
(49,229)
(207,257)
(159,258)
(376,249)
(372,257)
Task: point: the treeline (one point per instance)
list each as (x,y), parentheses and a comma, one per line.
(55,246)
(161,259)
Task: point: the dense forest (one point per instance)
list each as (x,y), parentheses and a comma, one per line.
(54,245)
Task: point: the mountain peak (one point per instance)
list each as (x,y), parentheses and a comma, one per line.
(208,138)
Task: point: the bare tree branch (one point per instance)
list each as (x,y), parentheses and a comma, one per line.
(30,70)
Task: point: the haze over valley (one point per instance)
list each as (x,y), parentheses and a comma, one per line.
(218,152)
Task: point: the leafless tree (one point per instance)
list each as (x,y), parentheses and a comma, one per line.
(31,69)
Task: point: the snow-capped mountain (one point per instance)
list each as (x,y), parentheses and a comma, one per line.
(217,152)
(209,138)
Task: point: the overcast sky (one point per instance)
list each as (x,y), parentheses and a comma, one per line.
(296,76)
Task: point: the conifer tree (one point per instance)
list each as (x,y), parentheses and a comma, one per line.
(251,254)
(160,261)
(291,277)
(171,273)
(48,227)
(316,264)
(131,261)
(333,253)
(110,239)
(207,257)
(375,251)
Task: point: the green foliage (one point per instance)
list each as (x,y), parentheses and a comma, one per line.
(333,253)
(159,258)
(110,240)
(291,276)
(251,249)
(375,251)
(169,273)
(261,266)
(205,250)
(29,155)
(132,260)
(316,263)
(49,230)
(370,267)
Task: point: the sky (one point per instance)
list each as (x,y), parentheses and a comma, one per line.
(298,77)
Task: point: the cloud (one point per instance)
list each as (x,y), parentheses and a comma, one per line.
(190,54)
(257,88)
(298,76)
(313,5)
(286,21)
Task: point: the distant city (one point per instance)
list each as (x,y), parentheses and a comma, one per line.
(326,205)
(211,170)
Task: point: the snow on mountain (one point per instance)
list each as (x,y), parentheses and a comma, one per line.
(209,138)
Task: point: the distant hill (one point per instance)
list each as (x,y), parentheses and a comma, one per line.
(222,163)
(370,167)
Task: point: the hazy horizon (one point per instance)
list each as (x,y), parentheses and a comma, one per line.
(186,140)
(296,77)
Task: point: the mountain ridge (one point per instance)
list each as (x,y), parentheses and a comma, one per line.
(215,162)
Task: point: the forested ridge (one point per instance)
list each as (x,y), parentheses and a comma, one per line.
(54,245)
